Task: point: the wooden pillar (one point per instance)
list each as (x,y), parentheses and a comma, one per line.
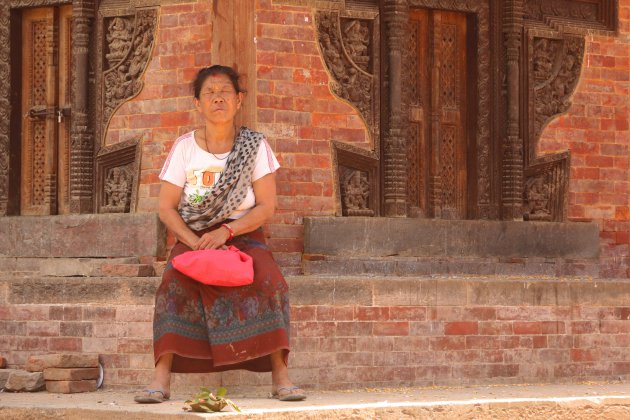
(5,106)
(512,183)
(395,16)
(233,35)
(81,131)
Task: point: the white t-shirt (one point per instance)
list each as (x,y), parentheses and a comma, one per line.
(197,171)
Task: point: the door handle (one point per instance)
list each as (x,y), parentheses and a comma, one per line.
(42,112)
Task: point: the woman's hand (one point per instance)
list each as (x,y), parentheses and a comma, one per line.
(213,240)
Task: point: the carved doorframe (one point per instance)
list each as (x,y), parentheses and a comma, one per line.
(81,150)
(395,197)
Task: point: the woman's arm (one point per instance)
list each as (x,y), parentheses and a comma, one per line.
(170,195)
(265,192)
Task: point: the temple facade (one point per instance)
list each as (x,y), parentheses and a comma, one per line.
(497,110)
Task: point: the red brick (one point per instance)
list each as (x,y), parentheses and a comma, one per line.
(70,387)
(461,328)
(339,344)
(325,313)
(344,313)
(584,355)
(372,313)
(70,374)
(70,344)
(483,342)
(614,327)
(354,359)
(354,329)
(584,327)
(41,362)
(407,313)
(448,343)
(391,328)
(539,341)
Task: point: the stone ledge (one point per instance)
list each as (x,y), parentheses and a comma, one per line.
(577,402)
(417,266)
(340,291)
(381,237)
(89,235)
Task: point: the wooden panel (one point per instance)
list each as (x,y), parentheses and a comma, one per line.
(233,34)
(449,57)
(437,98)
(65,76)
(39,93)
(419,99)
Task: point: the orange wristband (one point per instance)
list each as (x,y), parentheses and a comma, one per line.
(229,228)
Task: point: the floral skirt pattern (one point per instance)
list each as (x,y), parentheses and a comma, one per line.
(212,328)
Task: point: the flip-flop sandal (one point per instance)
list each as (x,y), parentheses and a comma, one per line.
(288,394)
(152,396)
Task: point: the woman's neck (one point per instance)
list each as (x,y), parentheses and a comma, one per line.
(219,134)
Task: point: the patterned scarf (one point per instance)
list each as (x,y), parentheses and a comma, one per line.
(231,189)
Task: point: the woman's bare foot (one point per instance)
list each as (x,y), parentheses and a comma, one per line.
(159,389)
(282,388)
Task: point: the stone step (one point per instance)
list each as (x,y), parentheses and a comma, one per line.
(382,237)
(315,264)
(71,267)
(83,236)
(337,290)
(567,401)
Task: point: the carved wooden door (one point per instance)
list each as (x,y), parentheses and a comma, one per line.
(438,136)
(45,93)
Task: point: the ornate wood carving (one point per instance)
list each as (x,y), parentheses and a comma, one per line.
(119,36)
(538,9)
(555,63)
(5,107)
(123,80)
(484,162)
(117,177)
(579,15)
(546,188)
(346,44)
(395,18)
(414,102)
(357,180)
(555,70)
(512,180)
(81,129)
(355,192)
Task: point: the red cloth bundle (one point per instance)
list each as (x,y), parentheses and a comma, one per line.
(217,267)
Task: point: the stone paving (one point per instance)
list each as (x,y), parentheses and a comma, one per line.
(559,401)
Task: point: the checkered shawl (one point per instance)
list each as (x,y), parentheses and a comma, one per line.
(227,194)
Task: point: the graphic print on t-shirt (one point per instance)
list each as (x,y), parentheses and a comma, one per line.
(201,181)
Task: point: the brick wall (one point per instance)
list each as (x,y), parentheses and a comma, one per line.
(349,332)
(300,116)
(596,131)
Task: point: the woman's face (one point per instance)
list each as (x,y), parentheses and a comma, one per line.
(218,100)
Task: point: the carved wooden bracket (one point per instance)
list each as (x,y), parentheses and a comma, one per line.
(356,180)
(546,188)
(348,43)
(127,45)
(117,177)
(555,63)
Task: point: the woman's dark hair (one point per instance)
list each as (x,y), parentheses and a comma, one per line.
(206,72)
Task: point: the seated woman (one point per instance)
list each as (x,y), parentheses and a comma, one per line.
(218,188)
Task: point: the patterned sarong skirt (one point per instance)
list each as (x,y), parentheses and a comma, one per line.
(213,329)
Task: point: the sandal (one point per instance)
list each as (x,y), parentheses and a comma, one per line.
(293,393)
(152,396)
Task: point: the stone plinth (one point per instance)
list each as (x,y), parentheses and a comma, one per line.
(81,236)
(381,237)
